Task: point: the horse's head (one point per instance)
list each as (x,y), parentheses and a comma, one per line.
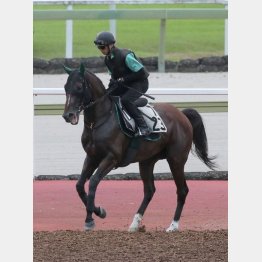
(78,94)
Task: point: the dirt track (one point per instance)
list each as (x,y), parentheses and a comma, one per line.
(59,216)
(122,246)
(58,207)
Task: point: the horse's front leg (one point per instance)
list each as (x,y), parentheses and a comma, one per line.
(104,168)
(87,171)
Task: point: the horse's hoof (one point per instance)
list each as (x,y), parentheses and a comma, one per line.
(132,229)
(135,224)
(173,227)
(102,213)
(89,225)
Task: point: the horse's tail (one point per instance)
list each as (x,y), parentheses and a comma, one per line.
(199,137)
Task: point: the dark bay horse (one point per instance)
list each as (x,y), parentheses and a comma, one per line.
(105,144)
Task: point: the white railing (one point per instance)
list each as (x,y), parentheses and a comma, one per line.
(151,91)
(130,2)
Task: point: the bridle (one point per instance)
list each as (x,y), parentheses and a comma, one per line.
(91,102)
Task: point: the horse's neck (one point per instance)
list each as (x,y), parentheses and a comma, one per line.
(98,111)
(104,104)
(96,85)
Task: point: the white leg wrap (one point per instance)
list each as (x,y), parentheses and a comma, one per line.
(173,226)
(135,224)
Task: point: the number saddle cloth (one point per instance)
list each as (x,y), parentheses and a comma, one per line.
(151,117)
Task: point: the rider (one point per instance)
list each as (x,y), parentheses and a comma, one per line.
(125,70)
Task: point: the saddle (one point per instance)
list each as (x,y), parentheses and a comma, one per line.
(151,117)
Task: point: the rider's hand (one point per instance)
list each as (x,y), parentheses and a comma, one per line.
(120,80)
(115,83)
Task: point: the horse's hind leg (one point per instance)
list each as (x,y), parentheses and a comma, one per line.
(177,169)
(146,172)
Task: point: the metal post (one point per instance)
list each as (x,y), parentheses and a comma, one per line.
(69,35)
(226,33)
(161,56)
(112,22)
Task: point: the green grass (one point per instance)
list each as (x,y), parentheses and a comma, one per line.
(184,38)
(202,107)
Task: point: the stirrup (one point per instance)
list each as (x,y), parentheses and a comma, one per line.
(144,131)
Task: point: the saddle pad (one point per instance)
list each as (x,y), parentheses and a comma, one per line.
(127,123)
(153,120)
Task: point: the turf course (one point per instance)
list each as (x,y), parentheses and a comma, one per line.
(184,38)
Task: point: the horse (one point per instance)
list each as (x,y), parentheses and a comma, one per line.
(105,144)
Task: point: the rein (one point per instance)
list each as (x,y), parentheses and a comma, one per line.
(91,103)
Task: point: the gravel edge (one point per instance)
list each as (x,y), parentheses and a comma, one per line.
(210,175)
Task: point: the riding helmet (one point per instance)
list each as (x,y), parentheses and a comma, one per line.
(104,38)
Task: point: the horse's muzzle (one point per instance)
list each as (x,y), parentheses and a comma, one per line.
(71,117)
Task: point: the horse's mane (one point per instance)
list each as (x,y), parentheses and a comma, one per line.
(97,79)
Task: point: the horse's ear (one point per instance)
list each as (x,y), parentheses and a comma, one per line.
(82,69)
(67,69)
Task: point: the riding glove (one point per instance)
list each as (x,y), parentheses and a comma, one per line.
(115,84)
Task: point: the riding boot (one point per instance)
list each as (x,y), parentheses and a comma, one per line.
(141,123)
(137,116)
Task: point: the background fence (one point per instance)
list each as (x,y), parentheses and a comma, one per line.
(143,14)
